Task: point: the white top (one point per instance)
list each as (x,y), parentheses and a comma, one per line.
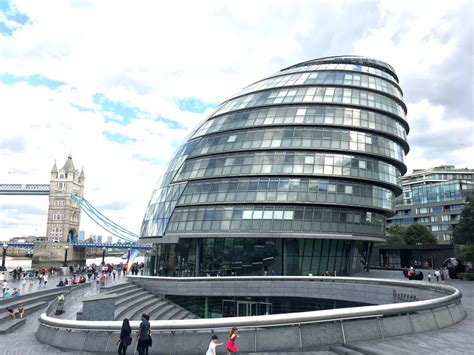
(46,277)
(212,348)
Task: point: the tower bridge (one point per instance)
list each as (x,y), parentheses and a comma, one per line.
(66,201)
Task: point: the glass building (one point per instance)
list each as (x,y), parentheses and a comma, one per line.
(434,198)
(295,174)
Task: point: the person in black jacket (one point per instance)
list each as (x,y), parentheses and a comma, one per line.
(144,335)
(125,338)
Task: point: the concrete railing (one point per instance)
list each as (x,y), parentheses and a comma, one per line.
(278,332)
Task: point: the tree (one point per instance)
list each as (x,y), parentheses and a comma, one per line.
(466,253)
(418,234)
(464,231)
(395,235)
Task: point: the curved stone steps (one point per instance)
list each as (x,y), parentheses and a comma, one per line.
(157,314)
(130,296)
(125,306)
(117,288)
(183,314)
(29,308)
(121,293)
(152,309)
(134,313)
(170,313)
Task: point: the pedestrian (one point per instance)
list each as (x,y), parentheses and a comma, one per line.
(4,287)
(231,347)
(45,279)
(144,335)
(436,273)
(125,338)
(21,311)
(23,281)
(446,274)
(429,277)
(11,312)
(212,345)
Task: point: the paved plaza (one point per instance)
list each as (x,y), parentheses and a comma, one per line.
(457,339)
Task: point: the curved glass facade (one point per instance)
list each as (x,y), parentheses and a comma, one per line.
(295,174)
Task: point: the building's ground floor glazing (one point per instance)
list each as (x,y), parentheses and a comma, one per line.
(227,256)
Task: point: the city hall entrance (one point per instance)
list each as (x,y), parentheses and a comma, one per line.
(234,308)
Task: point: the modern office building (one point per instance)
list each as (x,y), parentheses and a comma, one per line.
(295,174)
(434,198)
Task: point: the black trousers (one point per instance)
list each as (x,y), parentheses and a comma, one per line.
(142,347)
(122,350)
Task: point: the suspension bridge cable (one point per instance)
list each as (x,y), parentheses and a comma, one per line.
(108,219)
(105,227)
(104,222)
(114,225)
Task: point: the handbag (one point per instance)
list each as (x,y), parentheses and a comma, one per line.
(128,340)
(150,340)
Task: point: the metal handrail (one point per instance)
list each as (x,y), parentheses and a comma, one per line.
(450,295)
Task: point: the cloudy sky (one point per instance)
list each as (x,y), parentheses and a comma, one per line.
(121,83)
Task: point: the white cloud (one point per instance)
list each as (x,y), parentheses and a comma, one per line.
(149,54)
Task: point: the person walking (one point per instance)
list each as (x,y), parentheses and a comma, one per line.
(436,273)
(45,280)
(143,335)
(212,345)
(446,274)
(4,288)
(231,347)
(125,338)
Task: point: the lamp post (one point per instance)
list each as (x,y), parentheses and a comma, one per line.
(65,255)
(128,255)
(103,256)
(4,254)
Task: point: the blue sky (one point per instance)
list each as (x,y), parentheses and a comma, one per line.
(123,91)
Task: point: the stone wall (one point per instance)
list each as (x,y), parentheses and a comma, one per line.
(52,254)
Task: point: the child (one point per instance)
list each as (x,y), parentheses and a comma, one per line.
(11,312)
(233,335)
(21,311)
(212,345)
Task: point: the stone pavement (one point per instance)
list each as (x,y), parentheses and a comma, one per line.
(457,339)
(34,287)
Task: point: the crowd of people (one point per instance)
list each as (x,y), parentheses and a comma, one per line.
(440,274)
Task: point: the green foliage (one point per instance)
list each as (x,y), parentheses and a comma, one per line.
(464,231)
(419,234)
(395,235)
(395,240)
(396,230)
(466,276)
(466,253)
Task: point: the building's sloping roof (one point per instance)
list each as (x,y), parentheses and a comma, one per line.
(69,165)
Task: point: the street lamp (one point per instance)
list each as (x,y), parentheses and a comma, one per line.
(128,255)
(65,255)
(103,256)
(4,254)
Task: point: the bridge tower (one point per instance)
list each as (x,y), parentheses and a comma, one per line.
(63,213)
(64,216)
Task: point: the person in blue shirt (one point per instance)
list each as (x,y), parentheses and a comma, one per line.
(143,335)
